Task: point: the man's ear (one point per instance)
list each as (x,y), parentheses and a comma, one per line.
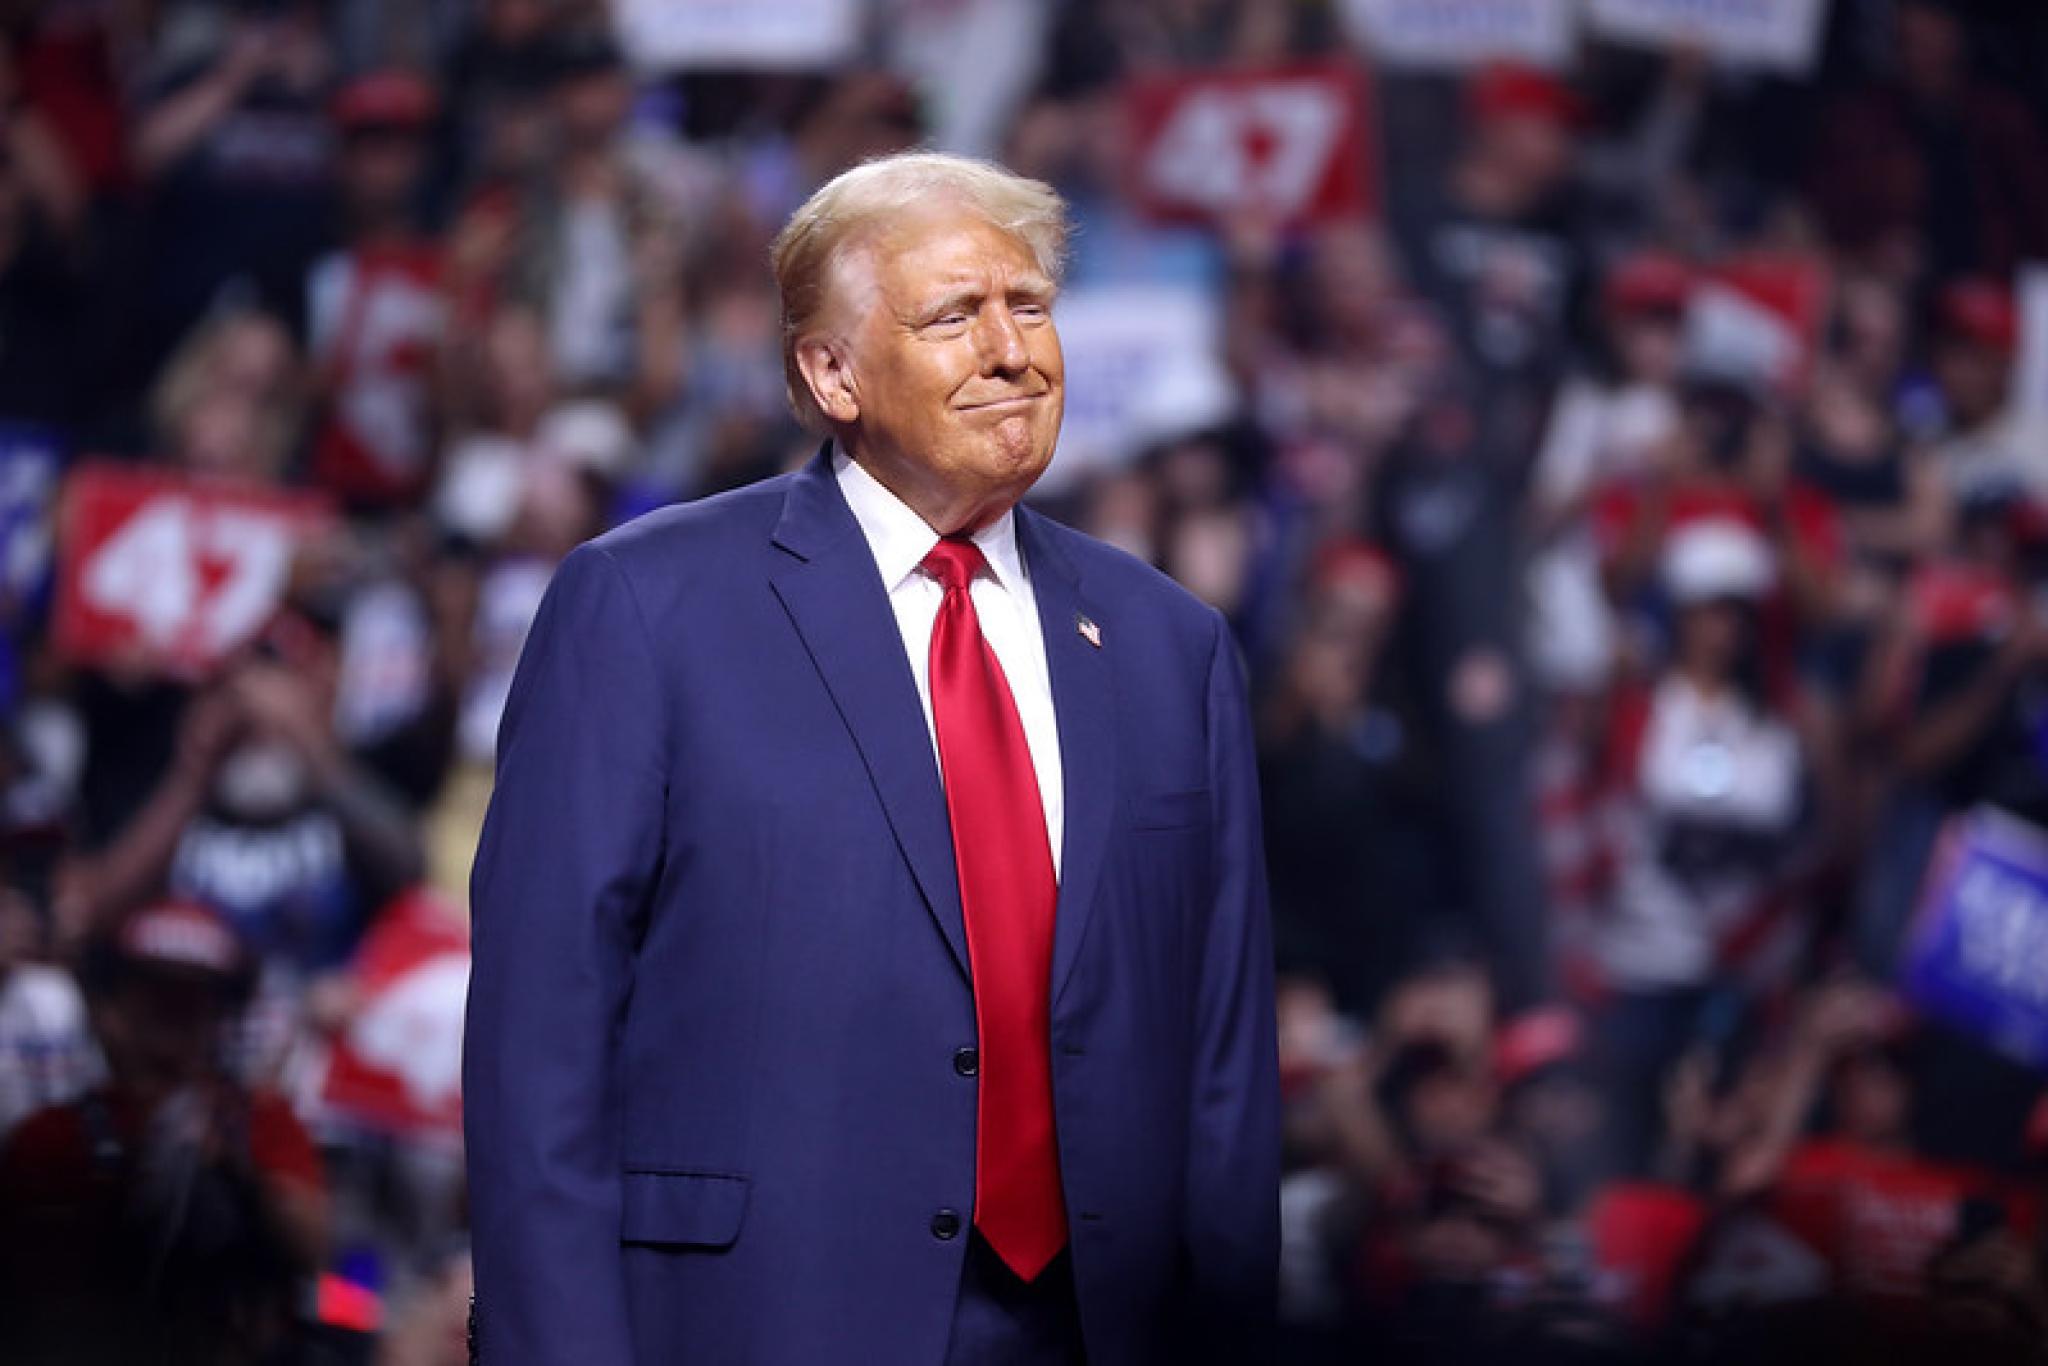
(827,373)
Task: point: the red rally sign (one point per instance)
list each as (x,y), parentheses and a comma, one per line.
(160,567)
(1290,145)
(398,1066)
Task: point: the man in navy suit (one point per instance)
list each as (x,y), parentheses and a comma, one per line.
(871,949)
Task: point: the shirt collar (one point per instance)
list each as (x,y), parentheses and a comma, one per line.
(900,539)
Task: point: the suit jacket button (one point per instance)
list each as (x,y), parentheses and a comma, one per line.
(967,1061)
(946,1225)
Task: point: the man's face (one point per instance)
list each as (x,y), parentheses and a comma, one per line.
(19,930)
(1873,1100)
(160,1032)
(1712,634)
(955,370)
(593,106)
(1973,379)
(380,170)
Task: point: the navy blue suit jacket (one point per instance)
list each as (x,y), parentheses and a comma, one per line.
(721,977)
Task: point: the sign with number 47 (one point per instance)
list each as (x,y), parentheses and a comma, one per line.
(158,568)
(1284,145)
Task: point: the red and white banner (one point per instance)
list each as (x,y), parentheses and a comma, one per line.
(1643,1235)
(398,1066)
(159,567)
(1758,319)
(375,318)
(1879,1217)
(1285,145)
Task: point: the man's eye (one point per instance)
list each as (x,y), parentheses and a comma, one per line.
(953,319)
(1031,311)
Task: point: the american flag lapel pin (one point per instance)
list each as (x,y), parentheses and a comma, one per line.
(1090,632)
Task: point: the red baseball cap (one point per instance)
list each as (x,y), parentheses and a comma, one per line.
(1351,559)
(1510,91)
(182,936)
(1649,282)
(393,100)
(1535,1040)
(1980,311)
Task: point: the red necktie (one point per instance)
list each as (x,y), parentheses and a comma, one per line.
(1007,894)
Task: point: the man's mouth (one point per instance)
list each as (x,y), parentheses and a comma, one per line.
(1012,401)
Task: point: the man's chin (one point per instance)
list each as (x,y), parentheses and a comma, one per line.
(1017,470)
(1003,480)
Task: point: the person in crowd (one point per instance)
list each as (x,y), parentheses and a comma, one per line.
(47,1052)
(1448,1136)
(45,290)
(495,79)
(1338,369)
(717,418)
(265,817)
(375,309)
(1356,845)
(1607,433)
(1616,426)
(1858,1190)
(593,207)
(1984,441)
(1928,172)
(1729,459)
(171,1213)
(1498,251)
(230,401)
(1887,497)
(1718,796)
(1955,687)
(1444,505)
(234,144)
(543,500)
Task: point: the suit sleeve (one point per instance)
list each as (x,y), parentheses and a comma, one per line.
(1233,1201)
(570,851)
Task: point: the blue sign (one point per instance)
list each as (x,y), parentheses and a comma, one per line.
(1978,955)
(31,459)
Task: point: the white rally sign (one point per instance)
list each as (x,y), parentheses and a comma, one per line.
(1782,35)
(1144,365)
(1462,33)
(754,35)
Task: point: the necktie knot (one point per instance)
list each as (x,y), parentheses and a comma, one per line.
(954,562)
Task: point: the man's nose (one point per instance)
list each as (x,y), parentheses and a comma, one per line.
(1003,351)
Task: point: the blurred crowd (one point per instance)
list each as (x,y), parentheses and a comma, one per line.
(1618,662)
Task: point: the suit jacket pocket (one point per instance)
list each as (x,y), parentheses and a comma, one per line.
(1170,810)
(682,1209)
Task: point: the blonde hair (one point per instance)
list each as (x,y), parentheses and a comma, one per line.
(855,202)
(191,377)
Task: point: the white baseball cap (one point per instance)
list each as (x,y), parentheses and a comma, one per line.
(1718,558)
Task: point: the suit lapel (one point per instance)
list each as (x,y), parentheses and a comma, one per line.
(834,595)
(1084,699)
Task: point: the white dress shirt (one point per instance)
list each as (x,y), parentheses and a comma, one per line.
(899,540)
